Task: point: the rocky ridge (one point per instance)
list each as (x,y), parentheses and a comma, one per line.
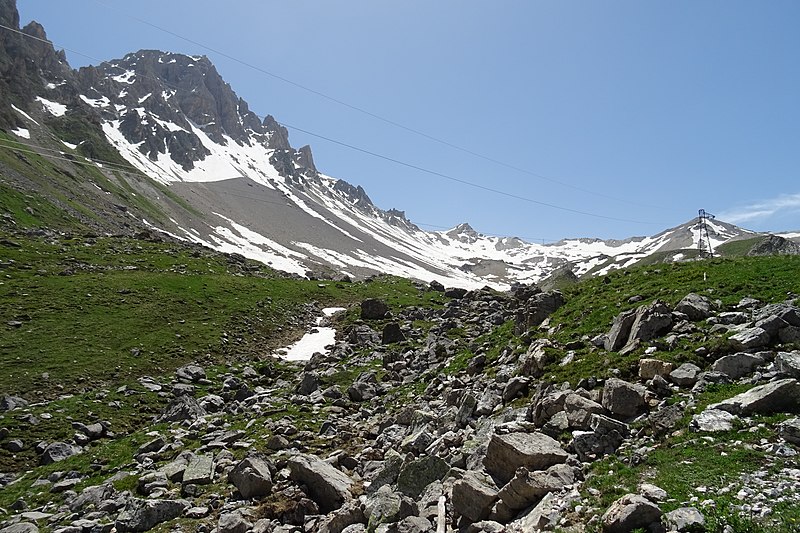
(420,439)
(159,140)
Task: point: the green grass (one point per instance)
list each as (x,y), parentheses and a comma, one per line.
(593,303)
(737,248)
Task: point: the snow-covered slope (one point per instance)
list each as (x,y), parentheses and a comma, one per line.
(174,118)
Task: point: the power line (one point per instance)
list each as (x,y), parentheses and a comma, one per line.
(371,114)
(464,182)
(397,161)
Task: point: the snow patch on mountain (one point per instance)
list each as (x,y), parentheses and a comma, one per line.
(54,108)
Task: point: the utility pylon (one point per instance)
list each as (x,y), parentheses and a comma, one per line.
(704,244)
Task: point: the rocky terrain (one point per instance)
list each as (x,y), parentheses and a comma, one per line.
(453,417)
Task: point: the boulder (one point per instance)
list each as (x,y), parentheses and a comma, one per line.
(455,292)
(790,430)
(651,322)
(392,333)
(579,410)
(695,307)
(417,474)
(737,365)
(685,519)
(308,383)
(473,497)
(617,337)
(785,311)
(144,515)
(373,309)
(190,373)
(630,512)
(650,368)
(516,386)
(387,506)
(713,420)
(624,399)
(777,396)
(685,375)
(535,451)
(750,339)
(605,437)
(387,474)
(182,408)
(537,308)
(252,477)
(9,403)
(233,522)
(58,451)
(328,487)
(788,363)
(20,527)
(199,470)
(526,487)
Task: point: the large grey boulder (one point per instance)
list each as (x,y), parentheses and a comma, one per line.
(790,430)
(144,515)
(651,322)
(252,477)
(605,437)
(695,307)
(387,506)
(624,399)
(685,519)
(617,337)
(473,497)
(417,474)
(737,365)
(233,522)
(373,309)
(788,363)
(630,512)
(182,408)
(190,373)
(777,396)
(685,375)
(785,311)
(527,487)
(579,410)
(21,527)
(750,339)
(713,420)
(328,487)
(537,308)
(535,451)
(199,470)
(58,451)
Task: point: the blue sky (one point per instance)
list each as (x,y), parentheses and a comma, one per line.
(639,111)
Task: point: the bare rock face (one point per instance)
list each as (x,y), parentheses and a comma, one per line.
(535,451)
(328,487)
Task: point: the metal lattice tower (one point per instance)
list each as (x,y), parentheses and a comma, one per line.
(704,244)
